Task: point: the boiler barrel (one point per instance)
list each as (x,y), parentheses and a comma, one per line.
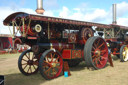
(58,46)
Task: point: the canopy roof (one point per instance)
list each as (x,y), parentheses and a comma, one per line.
(13,16)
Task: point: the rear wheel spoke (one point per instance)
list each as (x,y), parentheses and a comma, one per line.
(56,59)
(94,59)
(93,56)
(96,62)
(98,42)
(100,62)
(93,47)
(58,67)
(103,58)
(48,70)
(47,62)
(102,51)
(100,45)
(51,58)
(47,58)
(54,70)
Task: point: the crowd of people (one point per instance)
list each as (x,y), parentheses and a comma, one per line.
(18,48)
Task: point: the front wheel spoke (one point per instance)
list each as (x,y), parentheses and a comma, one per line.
(32,56)
(28,69)
(24,60)
(34,67)
(35,62)
(27,57)
(25,66)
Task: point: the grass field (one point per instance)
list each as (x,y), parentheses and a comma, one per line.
(80,75)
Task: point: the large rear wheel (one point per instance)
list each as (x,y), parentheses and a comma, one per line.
(51,64)
(96,52)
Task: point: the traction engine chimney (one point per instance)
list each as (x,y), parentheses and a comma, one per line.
(114,14)
(39,9)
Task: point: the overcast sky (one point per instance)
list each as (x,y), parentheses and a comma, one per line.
(99,11)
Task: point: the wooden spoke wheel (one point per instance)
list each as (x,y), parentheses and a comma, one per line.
(124,53)
(50,64)
(28,63)
(73,63)
(96,52)
(86,33)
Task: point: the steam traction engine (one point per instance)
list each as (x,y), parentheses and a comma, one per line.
(55,40)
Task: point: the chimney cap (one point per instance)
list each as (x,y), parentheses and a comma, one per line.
(40,11)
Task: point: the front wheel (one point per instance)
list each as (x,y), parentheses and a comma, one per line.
(96,52)
(28,63)
(124,53)
(50,64)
